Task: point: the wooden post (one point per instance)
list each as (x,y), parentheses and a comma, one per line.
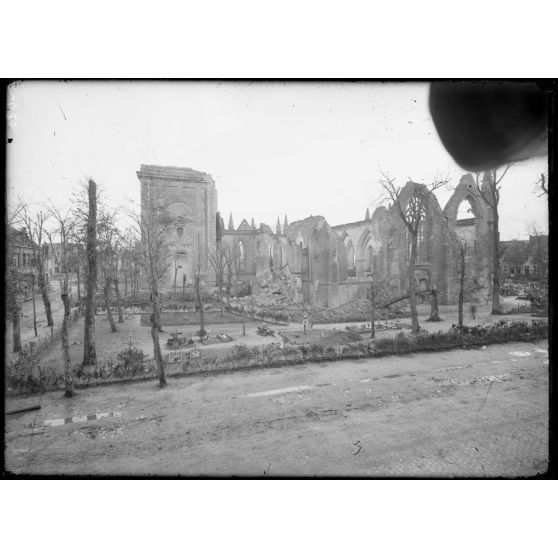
(461,296)
(200,302)
(34,308)
(373,307)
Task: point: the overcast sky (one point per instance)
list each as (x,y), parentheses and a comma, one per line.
(273,148)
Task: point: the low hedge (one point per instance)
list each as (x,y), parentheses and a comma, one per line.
(32,378)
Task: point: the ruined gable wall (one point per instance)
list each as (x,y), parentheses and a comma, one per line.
(432,271)
(477,235)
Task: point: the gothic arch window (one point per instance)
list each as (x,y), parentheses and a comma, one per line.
(370,259)
(465,210)
(465,222)
(281,259)
(180,232)
(241,254)
(351,260)
(271,256)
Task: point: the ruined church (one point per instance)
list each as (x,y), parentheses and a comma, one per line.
(322,264)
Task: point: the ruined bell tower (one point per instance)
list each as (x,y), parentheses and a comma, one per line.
(189,198)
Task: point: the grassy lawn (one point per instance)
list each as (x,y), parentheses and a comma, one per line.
(192,318)
(109,344)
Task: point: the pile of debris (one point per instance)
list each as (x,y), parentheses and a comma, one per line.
(274,299)
(355,311)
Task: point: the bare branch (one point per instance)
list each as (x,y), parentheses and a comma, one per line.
(541,183)
(506,169)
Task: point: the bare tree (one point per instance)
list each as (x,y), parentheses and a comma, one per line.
(153,225)
(176,268)
(63,231)
(539,250)
(199,300)
(131,253)
(14,213)
(372,294)
(412,215)
(232,268)
(490,193)
(116,281)
(13,306)
(35,226)
(108,237)
(470,287)
(379,292)
(89,352)
(218,261)
(13,280)
(77,254)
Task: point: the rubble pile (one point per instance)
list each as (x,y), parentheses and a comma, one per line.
(271,298)
(355,311)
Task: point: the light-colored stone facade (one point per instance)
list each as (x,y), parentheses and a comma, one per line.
(190,199)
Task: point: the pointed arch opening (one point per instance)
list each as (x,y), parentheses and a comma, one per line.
(240,254)
(351,260)
(465,222)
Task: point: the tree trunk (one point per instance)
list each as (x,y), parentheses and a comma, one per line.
(155,326)
(118,302)
(228,292)
(461,287)
(434,313)
(68,380)
(89,352)
(200,306)
(78,285)
(44,293)
(495,263)
(183,287)
(159,325)
(16,329)
(412,289)
(34,307)
(372,310)
(126,286)
(106,293)
(174,289)
(221,296)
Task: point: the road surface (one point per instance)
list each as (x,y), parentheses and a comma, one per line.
(466,413)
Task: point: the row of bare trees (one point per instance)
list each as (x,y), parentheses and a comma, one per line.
(87,240)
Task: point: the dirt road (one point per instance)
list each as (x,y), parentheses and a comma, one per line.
(468,413)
